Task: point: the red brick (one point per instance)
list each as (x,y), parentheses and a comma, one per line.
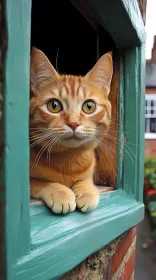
(150,90)
(122,250)
(150,147)
(129,267)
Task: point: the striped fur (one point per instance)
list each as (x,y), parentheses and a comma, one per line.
(62,159)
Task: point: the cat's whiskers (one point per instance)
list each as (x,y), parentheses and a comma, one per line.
(41,152)
(112,147)
(110,151)
(39,135)
(56,138)
(107,146)
(124,144)
(51,144)
(120,144)
(34,121)
(45,147)
(118,131)
(39,140)
(102,134)
(118,124)
(38,129)
(107,153)
(59,140)
(46,129)
(126,148)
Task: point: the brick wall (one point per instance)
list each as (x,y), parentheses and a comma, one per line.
(113,262)
(151,90)
(150,148)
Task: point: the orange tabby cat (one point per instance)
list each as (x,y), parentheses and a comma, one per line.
(68,117)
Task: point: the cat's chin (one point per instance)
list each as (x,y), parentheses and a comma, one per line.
(73,142)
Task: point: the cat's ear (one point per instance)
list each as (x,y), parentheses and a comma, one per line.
(42,72)
(101,74)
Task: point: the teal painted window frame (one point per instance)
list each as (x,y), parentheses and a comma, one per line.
(38,244)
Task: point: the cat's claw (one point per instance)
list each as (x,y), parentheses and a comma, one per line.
(87,201)
(60,201)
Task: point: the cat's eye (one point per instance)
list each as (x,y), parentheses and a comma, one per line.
(54,106)
(88,107)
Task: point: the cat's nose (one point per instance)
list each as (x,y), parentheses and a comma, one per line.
(73,125)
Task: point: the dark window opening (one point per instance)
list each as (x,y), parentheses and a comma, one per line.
(65,35)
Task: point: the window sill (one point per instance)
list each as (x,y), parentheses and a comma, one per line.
(59,243)
(150,136)
(101,189)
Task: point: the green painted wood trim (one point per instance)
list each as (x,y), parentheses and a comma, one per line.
(59,243)
(122,19)
(15,175)
(120,124)
(141,120)
(134,122)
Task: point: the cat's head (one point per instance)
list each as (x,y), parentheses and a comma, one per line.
(69,111)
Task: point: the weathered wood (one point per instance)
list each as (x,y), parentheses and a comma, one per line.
(3,44)
(15,166)
(106,170)
(134,115)
(2,190)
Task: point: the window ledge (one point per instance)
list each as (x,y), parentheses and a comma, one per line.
(59,242)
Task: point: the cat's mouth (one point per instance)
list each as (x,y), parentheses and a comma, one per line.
(73,137)
(73,140)
(76,136)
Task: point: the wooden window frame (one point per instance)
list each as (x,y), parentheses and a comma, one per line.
(40,245)
(148,115)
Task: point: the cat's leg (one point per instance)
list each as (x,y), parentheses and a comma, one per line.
(86,194)
(58,198)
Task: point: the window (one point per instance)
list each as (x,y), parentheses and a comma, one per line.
(76,50)
(40,245)
(150,116)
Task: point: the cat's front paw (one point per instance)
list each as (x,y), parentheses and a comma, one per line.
(60,200)
(86,200)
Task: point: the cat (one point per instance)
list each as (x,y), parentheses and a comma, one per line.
(68,117)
